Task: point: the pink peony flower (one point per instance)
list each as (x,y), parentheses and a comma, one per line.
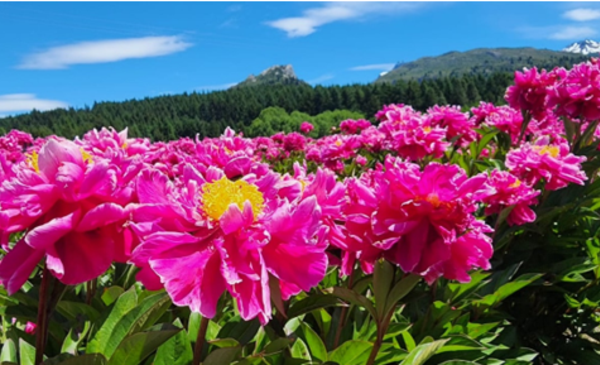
(511,192)
(578,94)
(30,328)
(421,220)
(458,125)
(306,127)
(351,126)
(69,204)
(233,236)
(550,161)
(529,91)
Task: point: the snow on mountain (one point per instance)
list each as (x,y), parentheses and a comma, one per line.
(584,47)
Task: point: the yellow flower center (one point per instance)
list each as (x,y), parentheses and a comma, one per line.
(433,199)
(338,143)
(550,150)
(87,157)
(516,184)
(427,129)
(219,195)
(32,160)
(124,145)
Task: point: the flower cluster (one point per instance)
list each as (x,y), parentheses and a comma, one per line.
(262,219)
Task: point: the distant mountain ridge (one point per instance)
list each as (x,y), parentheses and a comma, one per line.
(585,47)
(480,61)
(274,75)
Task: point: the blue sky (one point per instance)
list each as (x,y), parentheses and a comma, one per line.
(73,54)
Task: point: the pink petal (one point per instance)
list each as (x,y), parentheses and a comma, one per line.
(84,256)
(17,265)
(47,234)
(200,287)
(101,215)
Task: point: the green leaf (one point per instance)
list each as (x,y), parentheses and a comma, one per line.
(87,359)
(311,303)
(507,289)
(277,346)
(72,310)
(400,290)
(111,294)
(459,362)
(300,350)
(354,298)
(176,351)
(135,348)
(353,352)
(73,339)
(409,341)
(225,342)
(423,352)
(226,355)
(243,331)
(138,318)
(314,342)
(26,353)
(9,351)
(126,302)
(383,277)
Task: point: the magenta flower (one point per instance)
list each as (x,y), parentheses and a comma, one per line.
(550,161)
(511,192)
(458,125)
(65,200)
(30,328)
(578,94)
(227,236)
(306,127)
(530,90)
(351,126)
(420,220)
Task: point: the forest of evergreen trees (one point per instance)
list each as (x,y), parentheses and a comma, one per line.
(173,116)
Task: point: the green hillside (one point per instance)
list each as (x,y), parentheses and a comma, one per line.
(481,61)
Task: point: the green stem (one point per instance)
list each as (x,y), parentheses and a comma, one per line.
(382,327)
(338,332)
(40,342)
(200,341)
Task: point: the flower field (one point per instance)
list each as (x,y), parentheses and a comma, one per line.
(444,237)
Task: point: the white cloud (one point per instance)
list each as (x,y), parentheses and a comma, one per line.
(110,50)
(320,79)
(27,102)
(573,33)
(215,87)
(313,18)
(582,15)
(378,66)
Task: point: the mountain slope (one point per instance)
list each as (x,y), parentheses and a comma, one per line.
(480,61)
(584,47)
(275,75)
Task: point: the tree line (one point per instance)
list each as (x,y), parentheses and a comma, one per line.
(173,116)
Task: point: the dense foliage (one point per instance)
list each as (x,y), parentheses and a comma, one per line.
(174,116)
(443,237)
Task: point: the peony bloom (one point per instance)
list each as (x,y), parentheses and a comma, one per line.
(578,94)
(69,204)
(421,220)
(511,192)
(529,91)
(458,125)
(30,328)
(306,127)
(351,126)
(504,118)
(548,161)
(235,236)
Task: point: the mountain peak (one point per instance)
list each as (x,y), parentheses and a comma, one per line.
(278,74)
(584,47)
